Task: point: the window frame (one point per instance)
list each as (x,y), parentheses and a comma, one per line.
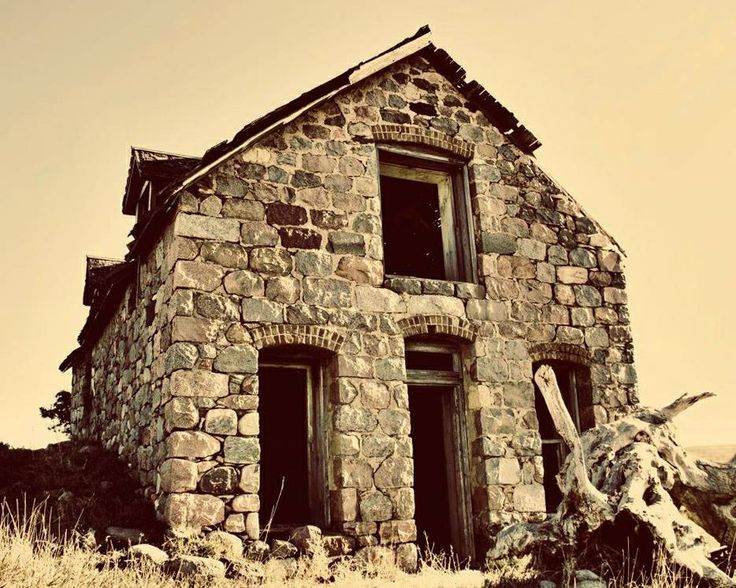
(456,435)
(450,174)
(571,397)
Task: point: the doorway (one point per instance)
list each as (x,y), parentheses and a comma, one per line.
(292,488)
(436,407)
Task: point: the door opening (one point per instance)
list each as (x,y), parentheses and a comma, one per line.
(438,434)
(432,472)
(286,437)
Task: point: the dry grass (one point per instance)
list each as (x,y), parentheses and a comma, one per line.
(32,554)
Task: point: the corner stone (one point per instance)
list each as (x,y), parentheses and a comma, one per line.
(193,511)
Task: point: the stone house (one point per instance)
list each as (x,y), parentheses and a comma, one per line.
(335,317)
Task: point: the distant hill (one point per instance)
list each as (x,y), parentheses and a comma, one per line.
(717,453)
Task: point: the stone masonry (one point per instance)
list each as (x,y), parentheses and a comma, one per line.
(281,244)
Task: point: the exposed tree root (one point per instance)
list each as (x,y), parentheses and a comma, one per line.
(630,482)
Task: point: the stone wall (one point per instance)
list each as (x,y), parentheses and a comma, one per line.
(124,373)
(281,244)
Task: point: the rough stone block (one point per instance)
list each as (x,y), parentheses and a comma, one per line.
(572,275)
(352,472)
(487,310)
(225,254)
(180,413)
(279,213)
(249,424)
(219,480)
(391,532)
(344,504)
(502,243)
(216,306)
(327,292)
(258,234)
(271,261)
(370,299)
(360,270)
(250,478)
(354,419)
(243,209)
(243,283)
(236,359)
(221,421)
(191,444)
(529,498)
(235,523)
(433,304)
(286,290)
(375,506)
(197,275)
(313,263)
(206,227)
(252,526)
(394,421)
(181,356)
(193,329)
(256,310)
(501,470)
(344,242)
(203,383)
(178,475)
(246,503)
(193,511)
(395,472)
(242,450)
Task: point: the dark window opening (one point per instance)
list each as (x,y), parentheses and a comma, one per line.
(573,381)
(87,393)
(426,229)
(292,486)
(412,233)
(150,312)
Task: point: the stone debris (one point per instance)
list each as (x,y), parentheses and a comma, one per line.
(224,545)
(281,549)
(192,566)
(146,553)
(122,537)
(257,551)
(307,539)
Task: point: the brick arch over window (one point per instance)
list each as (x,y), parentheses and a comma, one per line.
(561,352)
(437,324)
(421,136)
(314,336)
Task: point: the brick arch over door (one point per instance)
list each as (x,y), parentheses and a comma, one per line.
(314,336)
(437,324)
(560,352)
(420,136)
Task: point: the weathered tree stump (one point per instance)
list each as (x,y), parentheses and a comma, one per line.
(630,482)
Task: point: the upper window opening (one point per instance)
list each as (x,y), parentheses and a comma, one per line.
(424,216)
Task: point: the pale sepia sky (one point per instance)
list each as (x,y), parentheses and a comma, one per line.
(634,102)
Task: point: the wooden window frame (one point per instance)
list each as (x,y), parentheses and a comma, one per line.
(316,430)
(451,177)
(571,401)
(456,435)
